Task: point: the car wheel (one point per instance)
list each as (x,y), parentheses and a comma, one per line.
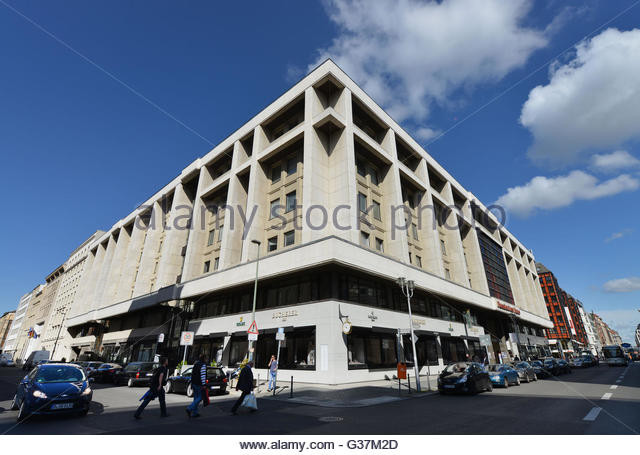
(23,414)
(490,387)
(528,379)
(130,383)
(189,391)
(506,383)
(518,381)
(14,403)
(168,388)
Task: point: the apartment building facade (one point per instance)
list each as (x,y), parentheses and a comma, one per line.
(55,338)
(6,320)
(11,342)
(329,201)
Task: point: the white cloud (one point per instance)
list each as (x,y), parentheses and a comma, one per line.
(408,54)
(554,192)
(425,133)
(611,162)
(623,285)
(591,103)
(618,235)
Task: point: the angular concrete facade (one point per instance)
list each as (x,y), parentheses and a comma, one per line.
(343,201)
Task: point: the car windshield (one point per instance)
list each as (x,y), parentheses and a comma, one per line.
(59,373)
(144,367)
(522,365)
(585,358)
(456,367)
(496,367)
(215,373)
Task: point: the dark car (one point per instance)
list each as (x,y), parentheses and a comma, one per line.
(216,382)
(539,369)
(105,372)
(525,371)
(564,367)
(468,377)
(551,365)
(53,388)
(588,360)
(135,373)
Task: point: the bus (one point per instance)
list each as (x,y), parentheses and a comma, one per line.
(615,355)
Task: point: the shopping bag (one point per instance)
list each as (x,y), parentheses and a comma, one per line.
(250,402)
(205,398)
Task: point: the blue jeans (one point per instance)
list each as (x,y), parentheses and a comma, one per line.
(272,380)
(197,398)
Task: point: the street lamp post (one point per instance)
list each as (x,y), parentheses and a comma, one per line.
(255,293)
(407,287)
(58,336)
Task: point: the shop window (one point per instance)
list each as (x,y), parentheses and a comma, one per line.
(426,350)
(368,349)
(453,350)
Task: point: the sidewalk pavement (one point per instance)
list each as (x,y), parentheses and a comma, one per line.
(353,395)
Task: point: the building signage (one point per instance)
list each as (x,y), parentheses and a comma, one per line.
(485,340)
(240,323)
(372,316)
(186,338)
(509,308)
(252,336)
(283,315)
(160,337)
(417,323)
(573,329)
(346,327)
(253,328)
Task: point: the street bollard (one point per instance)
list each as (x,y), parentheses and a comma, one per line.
(409,382)
(291,390)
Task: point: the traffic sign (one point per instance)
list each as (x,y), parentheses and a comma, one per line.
(252,336)
(280,336)
(186,338)
(253,328)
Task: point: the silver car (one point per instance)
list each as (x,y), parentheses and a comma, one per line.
(526,373)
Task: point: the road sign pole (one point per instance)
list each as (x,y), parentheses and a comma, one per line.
(255,293)
(275,380)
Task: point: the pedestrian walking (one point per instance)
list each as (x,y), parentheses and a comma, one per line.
(273,371)
(156,390)
(245,385)
(198,384)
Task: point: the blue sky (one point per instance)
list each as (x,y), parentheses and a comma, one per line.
(500,95)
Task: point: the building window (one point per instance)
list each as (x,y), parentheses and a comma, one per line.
(292,165)
(418,261)
(276,172)
(220,234)
(207,265)
(379,245)
(272,244)
(212,236)
(447,274)
(273,210)
(373,174)
(364,239)
(289,238)
(414,231)
(368,349)
(362,202)
(291,201)
(376,210)
(443,247)
(216,263)
(360,168)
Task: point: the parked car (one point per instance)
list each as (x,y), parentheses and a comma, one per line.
(564,367)
(105,372)
(34,358)
(468,377)
(7,362)
(539,369)
(53,388)
(90,367)
(588,360)
(135,373)
(503,375)
(576,362)
(216,382)
(525,371)
(551,365)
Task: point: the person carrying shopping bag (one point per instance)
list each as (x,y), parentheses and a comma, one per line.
(273,371)
(156,390)
(245,385)
(198,385)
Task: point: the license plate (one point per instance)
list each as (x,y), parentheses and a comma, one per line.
(449,386)
(62,406)
(213,387)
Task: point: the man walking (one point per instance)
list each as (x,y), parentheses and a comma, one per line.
(198,384)
(245,385)
(273,371)
(156,389)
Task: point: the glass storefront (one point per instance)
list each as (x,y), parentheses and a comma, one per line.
(453,349)
(368,349)
(426,349)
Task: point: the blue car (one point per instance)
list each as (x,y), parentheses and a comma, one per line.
(503,375)
(52,389)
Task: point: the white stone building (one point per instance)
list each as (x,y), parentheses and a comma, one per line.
(325,180)
(11,343)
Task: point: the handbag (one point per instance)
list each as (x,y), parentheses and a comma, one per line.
(250,402)
(205,398)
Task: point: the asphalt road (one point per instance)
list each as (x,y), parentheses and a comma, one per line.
(591,401)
